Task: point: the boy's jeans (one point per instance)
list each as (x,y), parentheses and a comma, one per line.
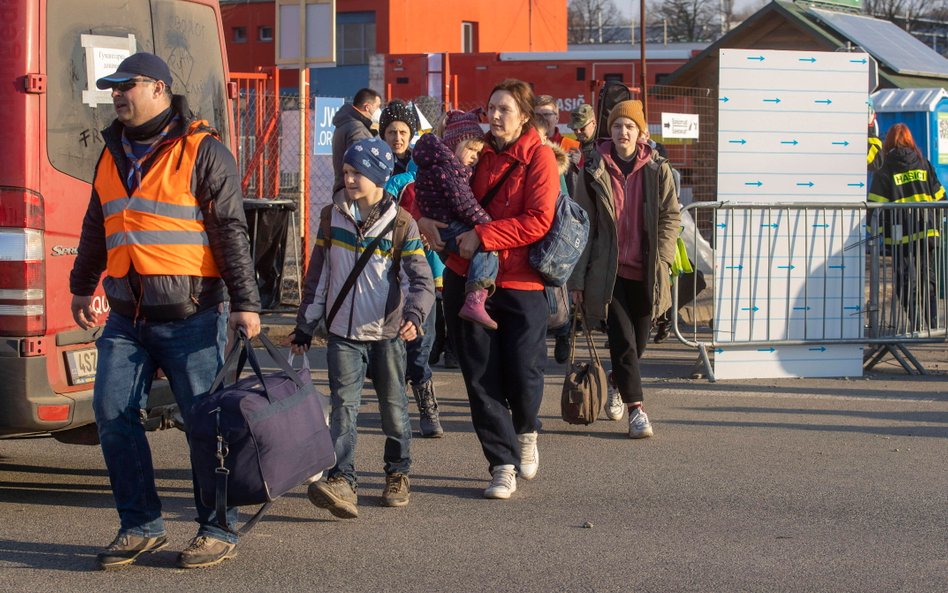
(484,264)
(347,362)
(190,353)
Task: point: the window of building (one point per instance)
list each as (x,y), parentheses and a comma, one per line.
(355,38)
(469,41)
(265,34)
(240,34)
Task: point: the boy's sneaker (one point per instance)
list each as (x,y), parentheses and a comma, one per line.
(335,495)
(397,491)
(561,348)
(474,311)
(204,551)
(639,426)
(529,455)
(614,407)
(125,548)
(503,482)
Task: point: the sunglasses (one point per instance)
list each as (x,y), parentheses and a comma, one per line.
(128,85)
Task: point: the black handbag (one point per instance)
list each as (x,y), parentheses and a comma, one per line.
(254,440)
(586,385)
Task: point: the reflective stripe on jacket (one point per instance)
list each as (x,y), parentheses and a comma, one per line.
(159,228)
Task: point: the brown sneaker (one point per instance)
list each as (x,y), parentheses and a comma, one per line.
(125,548)
(206,551)
(335,495)
(397,491)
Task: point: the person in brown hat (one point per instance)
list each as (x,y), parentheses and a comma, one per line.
(629,191)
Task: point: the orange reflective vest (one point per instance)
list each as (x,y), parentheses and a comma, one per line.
(160,227)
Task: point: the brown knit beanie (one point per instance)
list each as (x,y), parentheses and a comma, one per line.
(631,109)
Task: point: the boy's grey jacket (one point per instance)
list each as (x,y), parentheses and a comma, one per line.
(379,300)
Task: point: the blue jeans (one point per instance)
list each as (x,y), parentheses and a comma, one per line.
(418,350)
(484,264)
(190,353)
(347,361)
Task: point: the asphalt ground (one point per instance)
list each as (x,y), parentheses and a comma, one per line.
(772,485)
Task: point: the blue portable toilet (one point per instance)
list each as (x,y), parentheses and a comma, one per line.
(925,112)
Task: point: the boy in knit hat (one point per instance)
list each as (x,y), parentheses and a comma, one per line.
(369,323)
(443,193)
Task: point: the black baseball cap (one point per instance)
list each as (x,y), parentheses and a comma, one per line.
(140,64)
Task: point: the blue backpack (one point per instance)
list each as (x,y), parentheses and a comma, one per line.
(555,255)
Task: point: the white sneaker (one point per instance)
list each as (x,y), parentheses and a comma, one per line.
(639,426)
(503,482)
(529,455)
(614,407)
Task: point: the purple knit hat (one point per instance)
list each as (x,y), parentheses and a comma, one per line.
(460,126)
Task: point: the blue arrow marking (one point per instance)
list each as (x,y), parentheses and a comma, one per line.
(852,308)
(807,184)
(824,101)
(740,267)
(810,60)
(722,225)
(772,225)
(757,183)
(801,308)
(821,226)
(860,184)
(836,267)
(757,58)
(820,349)
(724,99)
(754,309)
(785,267)
(741,141)
(777,100)
(767,349)
(793,142)
(843,143)
(718,350)
(862,61)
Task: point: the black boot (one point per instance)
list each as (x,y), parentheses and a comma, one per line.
(428,410)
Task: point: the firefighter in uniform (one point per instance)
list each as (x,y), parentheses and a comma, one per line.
(166,224)
(906,177)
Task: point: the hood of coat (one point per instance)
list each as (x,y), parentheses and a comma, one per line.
(562,160)
(349,113)
(430,151)
(903,159)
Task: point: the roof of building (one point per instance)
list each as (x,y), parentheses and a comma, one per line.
(816,24)
(907,100)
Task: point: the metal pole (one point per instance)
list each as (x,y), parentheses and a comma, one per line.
(642,57)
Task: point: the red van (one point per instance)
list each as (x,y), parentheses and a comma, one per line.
(51,53)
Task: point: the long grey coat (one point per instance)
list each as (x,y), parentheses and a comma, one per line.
(595,273)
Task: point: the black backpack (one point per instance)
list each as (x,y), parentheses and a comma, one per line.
(610,94)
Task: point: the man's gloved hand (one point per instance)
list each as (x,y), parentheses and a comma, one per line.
(301,340)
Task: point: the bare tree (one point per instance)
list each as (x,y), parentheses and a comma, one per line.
(905,10)
(593,21)
(687,20)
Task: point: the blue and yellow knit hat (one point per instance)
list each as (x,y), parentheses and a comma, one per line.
(372,158)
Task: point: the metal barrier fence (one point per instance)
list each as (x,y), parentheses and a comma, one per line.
(875,275)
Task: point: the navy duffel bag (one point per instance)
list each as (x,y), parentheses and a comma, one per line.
(255,440)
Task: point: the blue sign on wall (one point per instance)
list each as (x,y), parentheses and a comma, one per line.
(326,108)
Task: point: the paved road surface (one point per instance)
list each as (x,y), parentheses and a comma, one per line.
(791,485)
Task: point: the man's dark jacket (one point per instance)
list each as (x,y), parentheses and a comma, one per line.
(351,126)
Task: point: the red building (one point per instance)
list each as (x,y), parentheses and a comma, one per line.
(365,28)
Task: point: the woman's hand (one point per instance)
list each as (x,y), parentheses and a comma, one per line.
(468,242)
(430,234)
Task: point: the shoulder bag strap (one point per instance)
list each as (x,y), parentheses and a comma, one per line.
(489,196)
(356,270)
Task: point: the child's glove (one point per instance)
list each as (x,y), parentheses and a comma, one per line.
(301,338)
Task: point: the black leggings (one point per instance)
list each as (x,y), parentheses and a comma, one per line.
(630,323)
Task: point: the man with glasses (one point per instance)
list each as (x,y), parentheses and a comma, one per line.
(166,224)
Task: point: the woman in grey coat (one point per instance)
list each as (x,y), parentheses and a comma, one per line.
(622,278)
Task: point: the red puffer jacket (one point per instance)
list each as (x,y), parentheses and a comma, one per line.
(522,209)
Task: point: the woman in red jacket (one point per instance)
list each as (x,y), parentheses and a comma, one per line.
(503,368)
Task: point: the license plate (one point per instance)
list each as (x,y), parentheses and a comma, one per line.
(81,365)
